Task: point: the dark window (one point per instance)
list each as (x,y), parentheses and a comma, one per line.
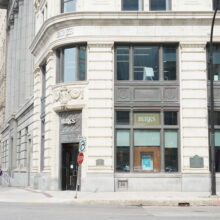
(217,150)
(170,118)
(130,5)
(146,62)
(122,118)
(68,6)
(122,53)
(159,5)
(72,64)
(216,3)
(169,63)
(217,118)
(216,62)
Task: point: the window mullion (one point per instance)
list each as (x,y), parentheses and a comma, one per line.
(131,63)
(161,78)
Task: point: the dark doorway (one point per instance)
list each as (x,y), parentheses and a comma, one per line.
(69,166)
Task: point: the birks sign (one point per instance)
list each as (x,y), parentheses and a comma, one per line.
(68,121)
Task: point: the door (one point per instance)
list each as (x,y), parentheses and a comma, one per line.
(69,166)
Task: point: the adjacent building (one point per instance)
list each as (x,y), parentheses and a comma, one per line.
(128,79)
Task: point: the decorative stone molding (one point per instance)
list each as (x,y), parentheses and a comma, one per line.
(38,4)
(65,95)
(50,56)
(100,45)
(193,45)
(37,72)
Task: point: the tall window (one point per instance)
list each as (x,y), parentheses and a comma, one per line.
(146,62)
(216,61)
(146,141)
(72,64)
(68,6)
(159,5)
(131,5)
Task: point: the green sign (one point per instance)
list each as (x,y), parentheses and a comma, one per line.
(146,119)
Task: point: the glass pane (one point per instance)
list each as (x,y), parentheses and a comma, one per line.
(147,159)
(217,118)
(171,160)
(146,119)
(69,65)
(169,63)
(69,5)
(170,118)
(122,159)
(122,62)
(82,63)
(217,138)
(171,139)
(158,5)
(122,118)
(123,138)
(146,63)
(216,62)
(146,138)
(130,5)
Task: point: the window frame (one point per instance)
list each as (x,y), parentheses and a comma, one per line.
(162,128)
(60,62)
(168,6)
(160,68)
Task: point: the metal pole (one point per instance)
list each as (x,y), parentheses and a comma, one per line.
(212,135)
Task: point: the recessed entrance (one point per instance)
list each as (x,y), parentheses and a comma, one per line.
(69,166)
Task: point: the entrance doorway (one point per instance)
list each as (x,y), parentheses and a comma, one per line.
(69,166)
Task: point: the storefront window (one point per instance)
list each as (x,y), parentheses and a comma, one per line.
(171,150)
(146,130)
(146,62)
(217,150)
(123,150)
(72,64)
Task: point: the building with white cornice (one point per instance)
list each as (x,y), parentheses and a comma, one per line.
(129,80)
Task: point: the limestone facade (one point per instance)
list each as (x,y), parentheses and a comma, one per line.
(101,25)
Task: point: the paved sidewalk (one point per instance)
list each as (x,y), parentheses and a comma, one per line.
(28,195)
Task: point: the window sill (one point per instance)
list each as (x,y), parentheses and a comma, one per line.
(85,82)
(147,175)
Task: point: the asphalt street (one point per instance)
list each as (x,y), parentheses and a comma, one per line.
(35,211)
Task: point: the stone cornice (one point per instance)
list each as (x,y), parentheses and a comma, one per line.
(68,20)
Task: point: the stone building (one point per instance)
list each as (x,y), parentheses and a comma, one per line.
(2,63)
(129,78)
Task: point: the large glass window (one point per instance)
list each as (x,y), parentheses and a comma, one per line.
(146,62)
(72,64)
(123,150)
(159,5)
(216,62)
(154,145)
(131,5)
(68,6)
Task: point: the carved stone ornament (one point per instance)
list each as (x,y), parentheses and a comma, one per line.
(37,4)
(64,94)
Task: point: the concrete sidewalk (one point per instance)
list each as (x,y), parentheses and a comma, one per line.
(28,195)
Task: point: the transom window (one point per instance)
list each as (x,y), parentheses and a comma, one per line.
(146,141)
(68,6)
(131,5)
(159,5)
(72,64)
(146,62)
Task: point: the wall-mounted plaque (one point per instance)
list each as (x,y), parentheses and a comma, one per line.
(196,162)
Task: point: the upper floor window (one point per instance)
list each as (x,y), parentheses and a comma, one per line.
(216,3)
(216,61)
(159,5)
(68,6)
(131,5)
(72,63)
(146,62)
